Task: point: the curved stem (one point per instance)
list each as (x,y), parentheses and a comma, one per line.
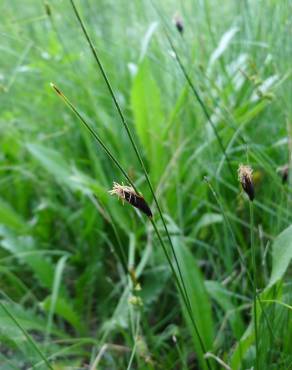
(28,337)
(181,286)
(102,70)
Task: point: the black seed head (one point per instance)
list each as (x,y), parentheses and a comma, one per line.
(246,180)
(178,22)
(128,194)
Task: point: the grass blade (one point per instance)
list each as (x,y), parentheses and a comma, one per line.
(180,282)
(102,70)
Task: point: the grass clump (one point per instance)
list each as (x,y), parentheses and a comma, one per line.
(195,275)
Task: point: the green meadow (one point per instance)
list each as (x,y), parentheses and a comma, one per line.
(145,188)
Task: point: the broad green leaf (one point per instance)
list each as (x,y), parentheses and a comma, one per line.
(282,255)
(149,118)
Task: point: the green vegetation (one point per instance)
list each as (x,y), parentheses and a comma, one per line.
(172,110)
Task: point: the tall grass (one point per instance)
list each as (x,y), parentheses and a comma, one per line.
(168,110)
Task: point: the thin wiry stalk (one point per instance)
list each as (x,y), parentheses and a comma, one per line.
(28,337)
(196,93)
(93,133)
(182,290)
(253,252)
(231,120)
(102,70)
(109,219)
(200,101)
(135,337)
(187,304)
(240,254)
(227,223)
(49,14)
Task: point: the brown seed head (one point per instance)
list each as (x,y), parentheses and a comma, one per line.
(246,180)
(128,194)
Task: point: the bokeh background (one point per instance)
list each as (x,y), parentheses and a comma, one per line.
(84,281)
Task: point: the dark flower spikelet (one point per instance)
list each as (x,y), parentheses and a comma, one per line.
(178,22)
(128,194)
(246,180)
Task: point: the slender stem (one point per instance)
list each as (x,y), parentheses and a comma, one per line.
(182,288)
(120,254)
(196,93)
(249,276)
(28,337)
(93,133)
(200,101)
(253,251)
(102,70)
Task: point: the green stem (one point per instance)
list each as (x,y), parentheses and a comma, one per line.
(249,276)
(253,251)
(188,306)
(131,138)
(28,337)
(93,133)
(182,288)
(196,93)
(202,104)
(138,155)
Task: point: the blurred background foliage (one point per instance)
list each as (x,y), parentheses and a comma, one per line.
(65,297)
